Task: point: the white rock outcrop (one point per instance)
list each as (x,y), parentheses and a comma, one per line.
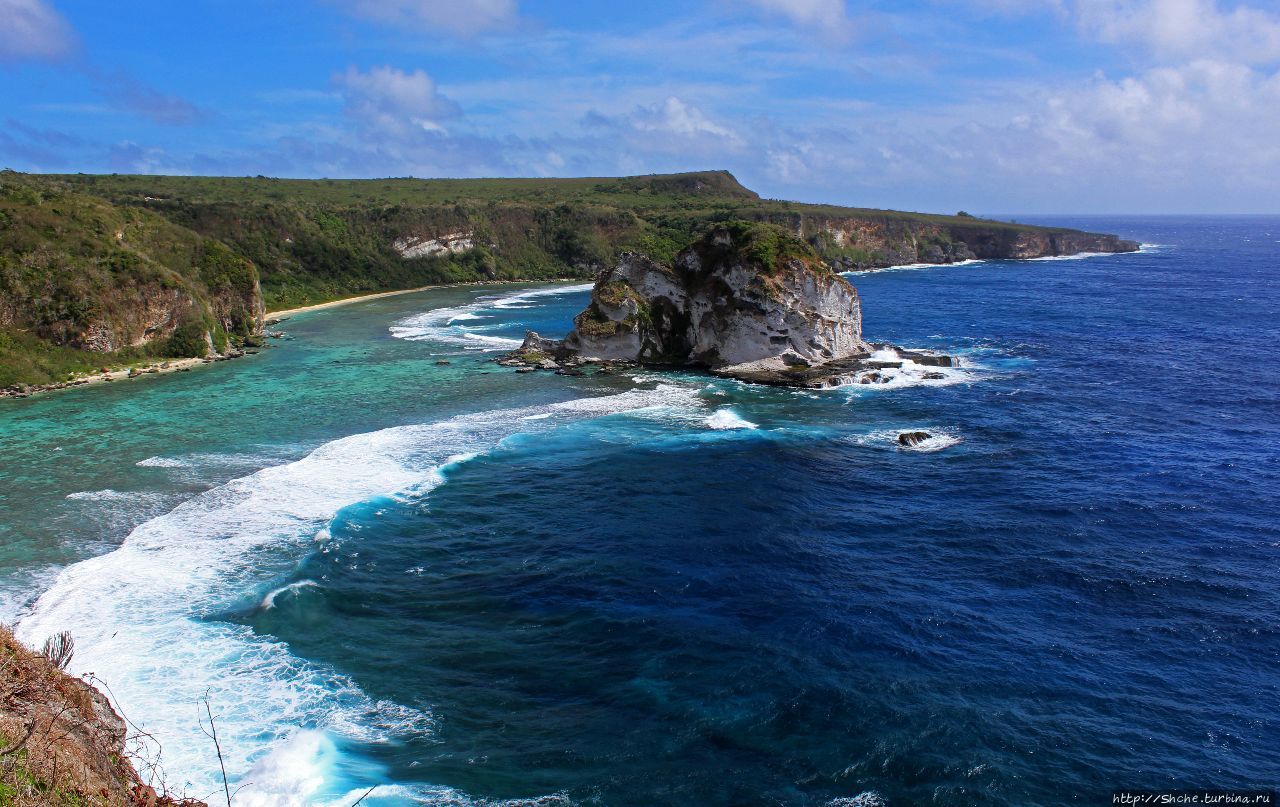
(719,306)
(416,246)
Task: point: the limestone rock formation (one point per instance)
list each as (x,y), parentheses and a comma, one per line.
(745,297)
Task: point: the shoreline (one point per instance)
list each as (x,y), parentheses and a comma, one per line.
(276,316)
(164,366)
(161,367)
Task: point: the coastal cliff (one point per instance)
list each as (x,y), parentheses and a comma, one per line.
(61,742)
(318,240)
(84,284)
(116,269)
(869,241)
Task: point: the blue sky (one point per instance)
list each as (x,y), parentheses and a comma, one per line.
(990,105)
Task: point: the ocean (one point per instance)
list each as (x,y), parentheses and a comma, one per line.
(453,584)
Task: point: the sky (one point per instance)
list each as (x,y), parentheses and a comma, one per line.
(991,106)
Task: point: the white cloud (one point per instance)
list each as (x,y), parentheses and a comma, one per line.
(1194,137)
(394,102)
(825,14)
(32,29)
(1170,29)
(465,18)
(1212,120)
(675,117)
(1186,28)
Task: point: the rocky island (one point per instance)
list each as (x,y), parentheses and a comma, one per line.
(747,300)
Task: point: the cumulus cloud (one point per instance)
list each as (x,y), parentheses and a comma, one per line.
(675,117)
(32,29)
(1186,28)
(393,102)
(1206,119)
(469,18)
(1196,137)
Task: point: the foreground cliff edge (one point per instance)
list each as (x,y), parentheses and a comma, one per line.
(748,300)
(119,271)
(61,742)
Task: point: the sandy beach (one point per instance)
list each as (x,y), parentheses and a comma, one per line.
(276,316)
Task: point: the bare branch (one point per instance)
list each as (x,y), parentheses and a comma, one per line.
(213,735)
(30,730)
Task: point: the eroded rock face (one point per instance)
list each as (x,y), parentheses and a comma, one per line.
(745,297)
(416,246)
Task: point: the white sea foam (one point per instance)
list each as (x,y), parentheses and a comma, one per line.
(888,438)
(909,266)
(1079,256)
(448,325)
(161,462)
(911,374)
(723,419)
(109,495)
(869,798)
(269,601)
(384,795)
(1076,257)
(145,616)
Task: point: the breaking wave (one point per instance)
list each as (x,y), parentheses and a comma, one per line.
(146,616)
(723,419)
(456,325)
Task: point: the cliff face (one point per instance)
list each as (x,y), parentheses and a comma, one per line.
(745,296)
(78,273)
(876,242)
(1024,244)
(61,742)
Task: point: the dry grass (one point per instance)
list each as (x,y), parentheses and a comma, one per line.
(61,743)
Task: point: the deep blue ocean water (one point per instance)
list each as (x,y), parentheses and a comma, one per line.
(466,586)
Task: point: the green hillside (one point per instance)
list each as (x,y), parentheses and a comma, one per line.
(99,269)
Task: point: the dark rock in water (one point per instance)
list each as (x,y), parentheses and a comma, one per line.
(913,439)
(443,362)
(934,376)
